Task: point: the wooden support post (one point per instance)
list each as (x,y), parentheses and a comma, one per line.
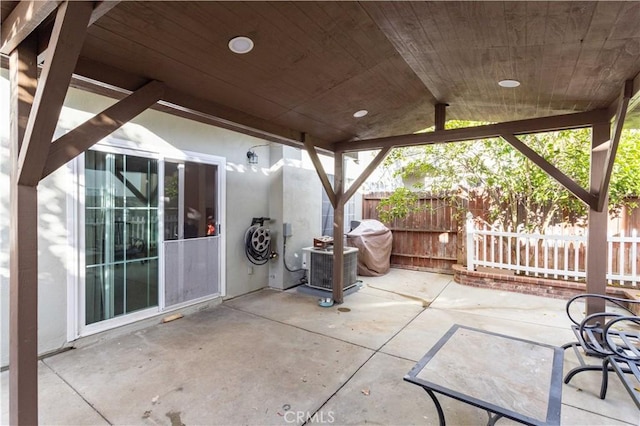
(597,228)
(440,116)
(23,260)
(338,198)
(23,339)
(38,104)
(338,228)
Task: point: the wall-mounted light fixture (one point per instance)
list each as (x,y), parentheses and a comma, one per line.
(252,157)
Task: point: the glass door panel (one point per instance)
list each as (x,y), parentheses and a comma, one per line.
(200,200)
(172,193)
(121,219)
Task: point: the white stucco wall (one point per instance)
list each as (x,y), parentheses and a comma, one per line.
(247,196)
(295,198)
(285,187)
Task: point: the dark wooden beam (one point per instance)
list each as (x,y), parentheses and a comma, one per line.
(313,154)
(366,173)
(66,42)
(550,169)
(23,260)
(603,191)
(440,116)
(22,21)
(72,144)
(519,127)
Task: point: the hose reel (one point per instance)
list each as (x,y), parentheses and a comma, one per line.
(257,242)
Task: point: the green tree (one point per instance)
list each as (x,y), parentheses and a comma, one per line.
(519,192)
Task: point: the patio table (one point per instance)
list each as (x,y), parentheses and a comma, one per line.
(506,376)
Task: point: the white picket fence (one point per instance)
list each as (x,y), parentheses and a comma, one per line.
(551,256)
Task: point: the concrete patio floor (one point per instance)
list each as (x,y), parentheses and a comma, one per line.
(275,357)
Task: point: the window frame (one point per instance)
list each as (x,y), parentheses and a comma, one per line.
(76,280)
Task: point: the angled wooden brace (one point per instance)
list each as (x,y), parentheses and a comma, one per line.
(320,170)
(83,137)
(627,93)
(551,170)
(366,173)
(66,42)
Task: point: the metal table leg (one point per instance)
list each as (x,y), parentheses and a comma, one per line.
(493,419)
(438,407)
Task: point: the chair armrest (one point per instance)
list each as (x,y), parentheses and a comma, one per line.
(622,337)
(610,301)
(591,334)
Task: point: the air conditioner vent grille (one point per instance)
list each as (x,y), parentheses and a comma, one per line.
(321,268)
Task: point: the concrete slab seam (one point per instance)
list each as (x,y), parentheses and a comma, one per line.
(463,311)
(301,328)
(376,351)
(76,392)
(597,414)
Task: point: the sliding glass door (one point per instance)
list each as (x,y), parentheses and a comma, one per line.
(149,236)
(121,238)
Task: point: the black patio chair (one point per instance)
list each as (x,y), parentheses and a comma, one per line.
(622,338)
(589,330)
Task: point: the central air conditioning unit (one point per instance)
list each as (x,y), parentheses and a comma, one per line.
(320,267)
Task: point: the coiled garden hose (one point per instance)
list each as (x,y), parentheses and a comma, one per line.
(257,244)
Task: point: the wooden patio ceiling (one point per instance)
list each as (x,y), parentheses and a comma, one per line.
(313,66)
(315,63)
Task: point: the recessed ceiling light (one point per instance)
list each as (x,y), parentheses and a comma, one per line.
(361,113)
(241,45)
(509,83)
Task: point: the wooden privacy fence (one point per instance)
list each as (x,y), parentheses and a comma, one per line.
(550,256)
(433,239)
(427,240)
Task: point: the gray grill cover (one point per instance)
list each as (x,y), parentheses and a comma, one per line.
(373,241)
